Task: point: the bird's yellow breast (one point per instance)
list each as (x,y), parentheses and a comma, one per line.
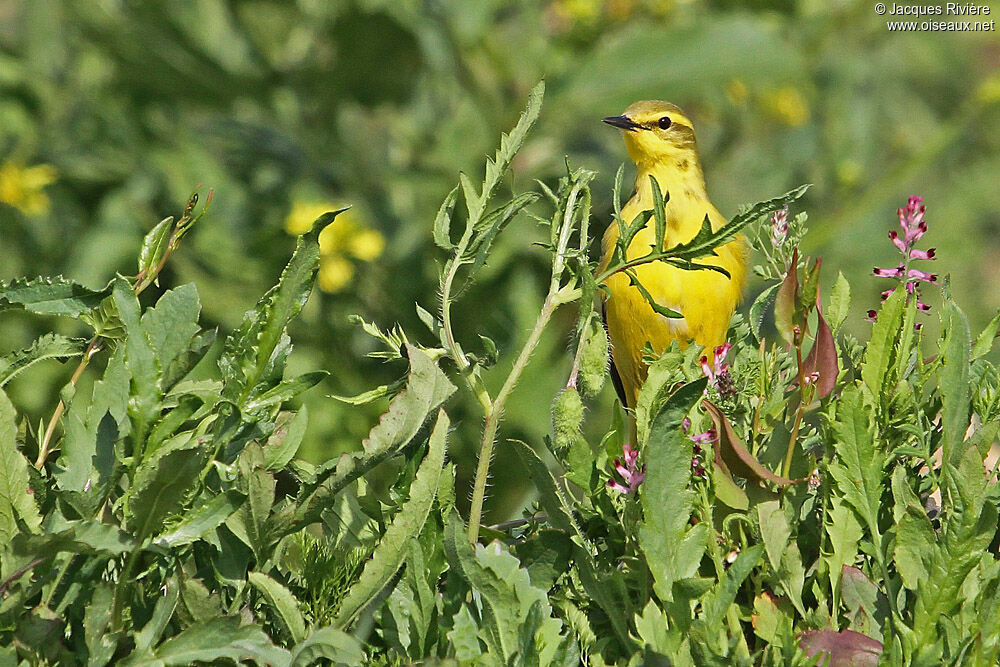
(705,298)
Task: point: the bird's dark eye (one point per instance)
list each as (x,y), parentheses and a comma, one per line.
(664,122)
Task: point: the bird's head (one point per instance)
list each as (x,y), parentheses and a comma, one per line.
(656,131)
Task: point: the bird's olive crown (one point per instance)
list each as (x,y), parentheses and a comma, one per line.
(660,129)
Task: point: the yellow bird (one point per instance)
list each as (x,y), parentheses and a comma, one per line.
(660,140)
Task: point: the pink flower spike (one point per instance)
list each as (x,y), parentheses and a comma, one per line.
(720,353)
(922,254)
(911,288)
(922,275)
(685,425)
(871,316)
(889,273)
(922,306)
(896,241)
(886,294)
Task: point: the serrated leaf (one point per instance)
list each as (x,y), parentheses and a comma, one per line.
(953,381)
(172,323)
(50,296)
(511,142)
(672,547)
(164,609)
(427,388)
(507,596)
(329,643)
(442,223)
(406,525)
(141,362)
(880,353)
(16,499)
(248,355)
(101,644)
(221,638)
(79,537)
(283,443)
(659,213)
(857,467)
(759,306)
(703,244)
(200,520)
(49,346)
(717,603)
(160,485)
(283,602)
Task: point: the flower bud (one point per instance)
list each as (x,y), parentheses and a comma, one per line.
(567,418)
(593,357)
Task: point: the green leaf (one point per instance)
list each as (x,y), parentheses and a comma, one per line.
(672,547)
(984,342)
(49,346)
(248,357)
(283,603)
(507,596)
(141,362)
(786,303)
(406,525)
(162,612)
(705,243)
(331,644)
(914,546)
(16,499)
(774,529)
(953,381)
(659,212)
(50,296)
(289,429)
(442,223)
(285,391)
(91,431)
(840,302)
(201,520)
(220,638)
(427,388)
(101,644)
(511,143)
(881,352)
(172,323)
(857,467)
(160,486)
(79,537)
(155,245)
(717,603)
(759,305)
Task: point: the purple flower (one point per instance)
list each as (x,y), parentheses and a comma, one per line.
(629,470)
(913,226)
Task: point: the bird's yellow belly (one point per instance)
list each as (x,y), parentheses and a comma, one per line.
(705,298)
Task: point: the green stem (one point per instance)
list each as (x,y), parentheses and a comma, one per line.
(787,467)
(495,413)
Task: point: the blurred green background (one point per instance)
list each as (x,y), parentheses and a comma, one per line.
(112,112)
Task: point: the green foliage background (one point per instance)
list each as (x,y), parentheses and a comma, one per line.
(378,104)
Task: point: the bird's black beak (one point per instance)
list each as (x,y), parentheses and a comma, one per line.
(624,122)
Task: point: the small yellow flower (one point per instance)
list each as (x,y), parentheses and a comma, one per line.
(23,187)
(989,90)
(788,106)
(347,238)
(335,273)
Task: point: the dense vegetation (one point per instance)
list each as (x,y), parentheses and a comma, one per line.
(806,492)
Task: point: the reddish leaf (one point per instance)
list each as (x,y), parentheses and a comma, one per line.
(822,357)
(846,648)
(732,455)
(786,303)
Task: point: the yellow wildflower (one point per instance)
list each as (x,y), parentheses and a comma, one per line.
(347,238)
(23,187)
(335,272)
(989,90)
(787,105)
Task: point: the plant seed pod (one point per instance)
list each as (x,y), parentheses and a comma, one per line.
(567,417)
(594,357)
